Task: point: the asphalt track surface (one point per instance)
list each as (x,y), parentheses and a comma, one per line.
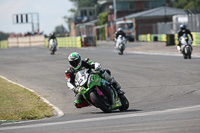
(163,91)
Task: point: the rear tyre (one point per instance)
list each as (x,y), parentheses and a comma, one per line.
(189,53)
(52,52)
(98,102)
(121,49)
(122,52)
(185,56)
(125,103)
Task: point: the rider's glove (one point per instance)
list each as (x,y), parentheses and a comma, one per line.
(76,90)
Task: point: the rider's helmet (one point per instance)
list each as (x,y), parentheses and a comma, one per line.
(182,27)
(52,34)
(75,60)
(119,30)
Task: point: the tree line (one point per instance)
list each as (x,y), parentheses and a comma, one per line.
(4,36)
(192,5)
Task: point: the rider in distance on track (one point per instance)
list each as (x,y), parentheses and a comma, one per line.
(181,32)
(76,64)
(52,36)
(119,32)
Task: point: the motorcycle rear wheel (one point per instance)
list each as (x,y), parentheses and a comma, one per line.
(52,52)
(99,103)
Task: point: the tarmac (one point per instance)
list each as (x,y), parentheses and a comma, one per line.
(151,47)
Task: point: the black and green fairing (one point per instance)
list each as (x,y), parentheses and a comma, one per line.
(93,80)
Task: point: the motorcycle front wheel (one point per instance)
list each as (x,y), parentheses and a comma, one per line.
(125,103)
(98,102)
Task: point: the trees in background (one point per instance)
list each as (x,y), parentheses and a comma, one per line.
(84,3)
(192,5)
(102,20)
(60,30)
(4,36)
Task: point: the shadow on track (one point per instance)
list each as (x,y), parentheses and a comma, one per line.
(114,111)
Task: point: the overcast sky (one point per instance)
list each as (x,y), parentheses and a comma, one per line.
(51,13)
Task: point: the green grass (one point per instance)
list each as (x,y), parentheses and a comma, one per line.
(17,103)
(4,44)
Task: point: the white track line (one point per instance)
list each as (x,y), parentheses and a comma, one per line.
(58,111)
(168,111)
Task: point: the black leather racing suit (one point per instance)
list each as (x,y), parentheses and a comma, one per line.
(120,33)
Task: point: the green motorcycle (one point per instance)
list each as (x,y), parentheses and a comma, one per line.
(98,92)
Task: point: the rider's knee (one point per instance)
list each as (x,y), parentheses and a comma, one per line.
(79,104)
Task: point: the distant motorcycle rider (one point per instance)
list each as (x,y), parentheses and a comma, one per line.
(119,32)
(181,32)
(52,36)
(76,64)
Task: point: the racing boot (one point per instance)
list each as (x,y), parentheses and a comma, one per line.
(117,87)
(107,76)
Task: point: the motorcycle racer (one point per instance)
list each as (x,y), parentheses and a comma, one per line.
(181,32)
(119,32)
(52,36)
(76,64)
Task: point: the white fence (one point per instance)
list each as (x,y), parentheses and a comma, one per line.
(28,41)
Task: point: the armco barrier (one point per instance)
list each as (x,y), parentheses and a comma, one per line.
(72,42)
(3,44)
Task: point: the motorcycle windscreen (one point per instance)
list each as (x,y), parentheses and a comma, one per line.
(81,78)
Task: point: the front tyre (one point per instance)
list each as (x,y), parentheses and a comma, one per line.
(98,102)
(121,49)
(125,103)
(184,56)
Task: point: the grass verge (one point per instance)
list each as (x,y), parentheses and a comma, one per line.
(17,103)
